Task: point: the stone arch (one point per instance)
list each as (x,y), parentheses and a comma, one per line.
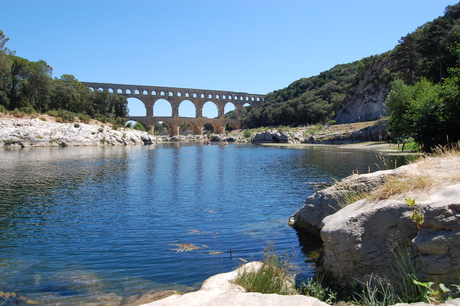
(136,107)
(162,107)
(189,126)
(232,126)
(210,110)
(211,124)
(162,128)
(187,109)
(229,106)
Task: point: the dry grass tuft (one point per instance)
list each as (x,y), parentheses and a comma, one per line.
(426,175)
(447,151)
(401,186)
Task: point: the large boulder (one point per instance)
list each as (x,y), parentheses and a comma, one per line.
(272,136)
(330,200)
(362,238)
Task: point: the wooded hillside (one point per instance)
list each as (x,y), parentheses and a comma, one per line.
(424,53)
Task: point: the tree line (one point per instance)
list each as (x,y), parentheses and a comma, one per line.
(29,87)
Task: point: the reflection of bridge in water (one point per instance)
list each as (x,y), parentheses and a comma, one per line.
(149,95)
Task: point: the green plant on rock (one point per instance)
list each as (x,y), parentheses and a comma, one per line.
(272,277)
(435,292)
(247,133)
(377,291)
(315,288)
(8,142)
(417,216)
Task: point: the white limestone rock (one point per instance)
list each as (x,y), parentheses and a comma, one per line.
(219,290)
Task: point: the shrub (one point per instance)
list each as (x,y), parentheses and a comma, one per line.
(316,289)
(16,113)
(247,133)
(139,126)
(282,129)
(84,117)
(66,115)
(28,110)
(53,113)
(101,118)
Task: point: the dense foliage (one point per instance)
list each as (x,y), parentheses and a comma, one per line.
(425,53)
(29,86)
(308,100)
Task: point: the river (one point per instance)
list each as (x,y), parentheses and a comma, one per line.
(85,224)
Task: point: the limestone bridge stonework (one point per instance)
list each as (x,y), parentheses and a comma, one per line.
(149,95)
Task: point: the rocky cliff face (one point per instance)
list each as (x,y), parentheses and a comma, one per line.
(366,101)
(361,239)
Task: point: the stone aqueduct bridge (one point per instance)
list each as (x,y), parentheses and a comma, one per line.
(151,94)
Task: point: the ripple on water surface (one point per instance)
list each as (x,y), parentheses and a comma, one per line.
(82,224)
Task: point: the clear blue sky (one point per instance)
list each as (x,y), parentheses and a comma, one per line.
(252,46)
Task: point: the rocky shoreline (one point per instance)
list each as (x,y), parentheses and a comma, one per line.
(21,133)
(360,239)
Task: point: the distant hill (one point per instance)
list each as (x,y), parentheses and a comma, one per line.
(356,91)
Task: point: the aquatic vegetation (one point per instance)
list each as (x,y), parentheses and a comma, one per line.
(13,298)
(215,253)
(187,247)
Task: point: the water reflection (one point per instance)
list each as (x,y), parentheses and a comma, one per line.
(81,223)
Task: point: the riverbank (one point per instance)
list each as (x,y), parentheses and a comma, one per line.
(45,131)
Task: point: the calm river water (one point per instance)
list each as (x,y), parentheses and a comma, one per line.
(81,225)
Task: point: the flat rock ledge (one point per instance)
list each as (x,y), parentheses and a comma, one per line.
(360,239)
(219,290)
(37,133)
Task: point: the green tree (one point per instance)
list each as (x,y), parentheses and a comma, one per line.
(38,85)
(397,104)
(5,68)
